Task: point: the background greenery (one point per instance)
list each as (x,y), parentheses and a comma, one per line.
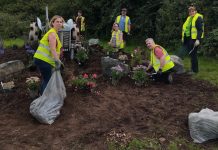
(160,19)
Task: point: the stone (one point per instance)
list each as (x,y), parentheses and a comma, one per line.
(108,62)
(93,42)
(9,68)
(179,66)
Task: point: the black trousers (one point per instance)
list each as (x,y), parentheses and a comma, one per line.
(163,77)
(189,45)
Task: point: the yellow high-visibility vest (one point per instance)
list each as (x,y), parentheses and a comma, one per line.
(43,51)
(193,27)
(155,62)
(126,22)
(82,27)
(119,43)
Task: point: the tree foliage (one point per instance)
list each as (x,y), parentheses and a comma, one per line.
(159,19)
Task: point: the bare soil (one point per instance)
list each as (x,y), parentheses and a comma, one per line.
(156,111)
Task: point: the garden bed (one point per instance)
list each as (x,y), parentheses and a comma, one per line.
(157,111)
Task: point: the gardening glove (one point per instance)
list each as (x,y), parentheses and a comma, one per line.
(197,42)
(57,64)
(159,71)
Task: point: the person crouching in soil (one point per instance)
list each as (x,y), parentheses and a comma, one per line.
(47,56)
(116,41)
(160,62)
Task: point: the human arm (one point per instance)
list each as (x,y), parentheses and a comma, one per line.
(52,45)
(129,26)
(199,27)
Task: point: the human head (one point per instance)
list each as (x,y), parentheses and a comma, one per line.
(123,11)
(79,13)
(116,26)
(150,43)
(192,10)
(56,22)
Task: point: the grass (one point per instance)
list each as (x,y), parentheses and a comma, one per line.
(155,144)
(208,69)
(9,43)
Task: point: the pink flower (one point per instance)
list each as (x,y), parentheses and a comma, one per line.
(85,76)
(91,84)
(94,76)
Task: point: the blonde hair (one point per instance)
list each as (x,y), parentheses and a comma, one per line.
(53,20)
(149,39)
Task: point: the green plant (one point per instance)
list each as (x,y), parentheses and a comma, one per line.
(81,55)
(32,83)
(116,74)
(136,57)
(85,82)
(139,75)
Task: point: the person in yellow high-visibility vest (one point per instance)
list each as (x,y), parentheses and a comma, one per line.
(160,62)
(47,56)
(116,40)
(192,33)
(124,23)
(80,22)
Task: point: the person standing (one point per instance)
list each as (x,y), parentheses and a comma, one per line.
(124,23)
(192,33)
(160,62)
(80,22)
(47,56)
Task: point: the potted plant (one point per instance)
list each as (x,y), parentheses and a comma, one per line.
(117,73)
(139,75)
(33,86)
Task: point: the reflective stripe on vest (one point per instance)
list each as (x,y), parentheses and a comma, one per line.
(193,27)
(156,62)
(43,51)
(119,43)
(126,22)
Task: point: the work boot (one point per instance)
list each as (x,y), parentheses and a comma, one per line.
(169,79)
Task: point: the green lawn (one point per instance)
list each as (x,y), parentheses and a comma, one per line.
(9,43)
(208,69)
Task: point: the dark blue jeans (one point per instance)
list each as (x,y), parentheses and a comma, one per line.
(46,72)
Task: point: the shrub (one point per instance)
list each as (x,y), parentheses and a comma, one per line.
(116,74)
(81,55)
(139,75)
(211,44)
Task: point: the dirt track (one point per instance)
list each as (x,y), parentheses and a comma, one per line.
(155,111)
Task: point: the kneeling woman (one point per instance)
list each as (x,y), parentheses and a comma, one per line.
(116,40)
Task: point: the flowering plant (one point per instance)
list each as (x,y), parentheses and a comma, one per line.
(81,55)
(116,74)
(85,82)
(136,56)
(32,83)
(139,75)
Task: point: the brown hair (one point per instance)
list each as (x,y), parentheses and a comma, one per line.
(54,18)
(192,7)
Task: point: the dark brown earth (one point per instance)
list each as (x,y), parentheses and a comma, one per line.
(156,111)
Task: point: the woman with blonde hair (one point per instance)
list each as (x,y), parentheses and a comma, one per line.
(116,40)
(47,56)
